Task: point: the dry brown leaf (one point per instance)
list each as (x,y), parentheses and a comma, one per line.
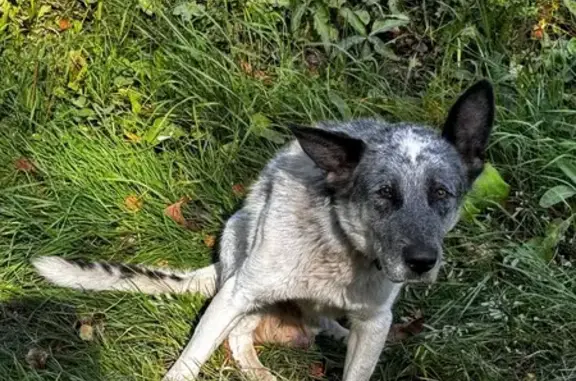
(317,370)
(190,215)
(36,358)
(210,240)
(133,203)
(401,331)
(263,76)
(24,165)
(86,332)
(537,33)
(246,67)
(174,211)
(64,24)
(238,190)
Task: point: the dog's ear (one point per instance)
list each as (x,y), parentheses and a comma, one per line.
(469,125)
(335,152)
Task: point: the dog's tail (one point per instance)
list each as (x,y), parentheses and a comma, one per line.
(102,276)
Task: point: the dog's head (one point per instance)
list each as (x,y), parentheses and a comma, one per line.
(397,189)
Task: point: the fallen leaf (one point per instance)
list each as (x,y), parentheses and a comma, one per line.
(537,33)
(174,211)
(24,165)
(36,358)
(246,67)
(316,370)
(401,331)
(132,137)
(190,215)
(539,29)
(133,203)
(263,76)
(86,332)
(238,190)
(64,24)
(210,241)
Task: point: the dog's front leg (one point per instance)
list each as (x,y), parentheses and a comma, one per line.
(365,343)
(221,316)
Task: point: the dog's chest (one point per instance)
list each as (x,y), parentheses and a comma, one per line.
(341,281)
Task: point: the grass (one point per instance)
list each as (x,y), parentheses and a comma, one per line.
(87,104)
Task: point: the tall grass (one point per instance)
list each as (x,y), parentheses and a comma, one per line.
(90,125)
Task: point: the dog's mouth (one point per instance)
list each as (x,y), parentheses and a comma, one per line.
(400,273)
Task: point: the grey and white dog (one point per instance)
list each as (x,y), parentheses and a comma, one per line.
(336,223)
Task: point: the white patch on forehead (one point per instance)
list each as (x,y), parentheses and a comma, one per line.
(411,145)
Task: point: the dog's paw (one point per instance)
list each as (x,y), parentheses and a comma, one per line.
(262,374)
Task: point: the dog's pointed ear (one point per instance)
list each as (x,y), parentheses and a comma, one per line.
(469,125)
(335,152)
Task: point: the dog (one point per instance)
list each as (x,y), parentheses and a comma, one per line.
(337,222)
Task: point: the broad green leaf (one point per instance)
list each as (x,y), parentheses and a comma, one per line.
(336,3)
(351,41)
(297,16)
(546,246)
(323,27)
(353,20)
(488,188)
(555,231)
(393,6)
(366,50)
(85,113)
(274,3)
(553,196)
(121,81)
(571,5)
(569,170)
(382,49)
(386,25)
(571,46)
(44,9)
(79,102)
(259,121)
(189,10)
(363,15)
(340,104)
(152,134)
(260,126)
(149,7)
(172,131)
(135,104)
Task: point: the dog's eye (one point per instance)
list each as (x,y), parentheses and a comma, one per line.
(441,193)
(386,192)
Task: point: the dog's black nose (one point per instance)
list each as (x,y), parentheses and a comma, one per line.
(419,258)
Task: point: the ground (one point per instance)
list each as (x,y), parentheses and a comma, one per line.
(110,111)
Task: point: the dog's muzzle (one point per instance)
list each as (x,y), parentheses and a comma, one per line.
(419,258)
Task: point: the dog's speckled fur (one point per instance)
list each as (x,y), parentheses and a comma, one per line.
(336,223)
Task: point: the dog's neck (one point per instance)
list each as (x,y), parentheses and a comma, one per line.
(357,241)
